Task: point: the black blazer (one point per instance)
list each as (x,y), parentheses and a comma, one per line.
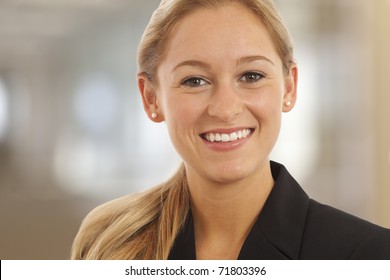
(293,226)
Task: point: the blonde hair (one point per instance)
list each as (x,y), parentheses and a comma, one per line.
(136,227)
(145,226)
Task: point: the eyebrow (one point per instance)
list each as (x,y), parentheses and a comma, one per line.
(192,63)
(243,60)
(248,59)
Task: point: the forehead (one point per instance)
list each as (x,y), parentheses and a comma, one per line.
(228,31)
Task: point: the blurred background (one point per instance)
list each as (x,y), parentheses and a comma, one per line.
(73,133)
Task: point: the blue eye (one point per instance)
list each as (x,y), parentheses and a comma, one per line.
(251,77)
(194,82)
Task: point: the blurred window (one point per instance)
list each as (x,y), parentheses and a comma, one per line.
(96,104)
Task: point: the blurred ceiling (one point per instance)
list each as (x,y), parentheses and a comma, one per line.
(29,25)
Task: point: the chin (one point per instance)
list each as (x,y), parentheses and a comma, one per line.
(229,174)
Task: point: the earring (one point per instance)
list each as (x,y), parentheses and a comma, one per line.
(288,103)
(154,115)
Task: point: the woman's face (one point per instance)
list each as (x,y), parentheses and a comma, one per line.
(221,91)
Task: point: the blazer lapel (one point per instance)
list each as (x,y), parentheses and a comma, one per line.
(278,232)
(258,247)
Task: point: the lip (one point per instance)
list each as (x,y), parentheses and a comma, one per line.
(226,146)
(227,130)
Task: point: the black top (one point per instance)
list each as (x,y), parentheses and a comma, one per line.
(293,226)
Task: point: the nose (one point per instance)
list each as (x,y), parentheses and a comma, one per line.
(225,103)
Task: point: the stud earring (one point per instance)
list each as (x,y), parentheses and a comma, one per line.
(288,103)
(154,115)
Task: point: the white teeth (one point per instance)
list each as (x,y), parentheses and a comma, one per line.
(225,138)
(233,136)
(217,137)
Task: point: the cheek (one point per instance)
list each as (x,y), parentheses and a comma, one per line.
(267,104)
(181,113)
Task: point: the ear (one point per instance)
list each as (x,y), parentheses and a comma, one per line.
(290,94)
(149,98)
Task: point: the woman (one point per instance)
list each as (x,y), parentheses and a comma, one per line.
(220,73)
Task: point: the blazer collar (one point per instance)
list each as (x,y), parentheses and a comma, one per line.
(278,231)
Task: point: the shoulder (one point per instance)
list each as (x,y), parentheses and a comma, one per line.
(99,221)
(318,231)
(333,234)
(109,211)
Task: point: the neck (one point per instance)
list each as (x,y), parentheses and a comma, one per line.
(224,213)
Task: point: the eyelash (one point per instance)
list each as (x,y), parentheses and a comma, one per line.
(200,82)
(259,76)
(194,82)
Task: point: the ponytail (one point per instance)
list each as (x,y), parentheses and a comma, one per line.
(136,227)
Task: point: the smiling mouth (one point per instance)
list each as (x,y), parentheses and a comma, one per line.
(227,137)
